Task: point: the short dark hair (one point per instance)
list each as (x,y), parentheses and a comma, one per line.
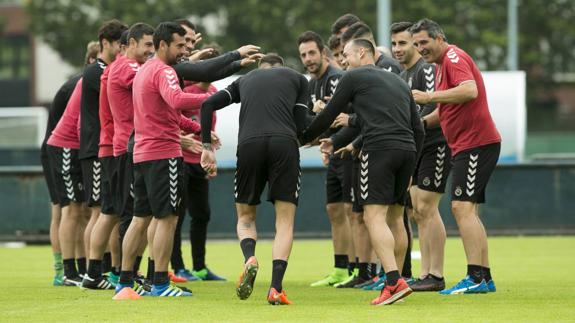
(344,21)
(272,59)
(185,22)
(308,36)
(139,30)
(398,27)
(333,42)
(216,49)
(358,30)
(165,31)
(364,43)
(433,29)
(111,31)
(124,38)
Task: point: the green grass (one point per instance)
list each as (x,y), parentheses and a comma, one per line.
(534,278)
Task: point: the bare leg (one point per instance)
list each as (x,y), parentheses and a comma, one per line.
(163,242)
(94,214)
(395,222)
(115,247)
(471,230)
(100,236)
(340,228)
(56,214)
(382,240)
(246,227)
(285,214)
(134,235)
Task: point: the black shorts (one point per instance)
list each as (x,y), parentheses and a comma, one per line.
(67,175)
(49,177)
(92,177)
(384,176)
(433,168)
(271,160)
(159,187)
(124,185)
(338,180)
(109,173)
(471,171)
(356,207)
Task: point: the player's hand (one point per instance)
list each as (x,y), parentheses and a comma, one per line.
(198,38)
(326,98)
(201,54)
(310,144)
(216,141)
(318,106)
(208,162)
(326,146)
(248,50)
(325,159)
(349,149)
(251,59)
(189,143)
(342,120)
(421,97)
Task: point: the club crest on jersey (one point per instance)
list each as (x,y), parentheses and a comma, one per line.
(426,181)
(458,191)
(313,98)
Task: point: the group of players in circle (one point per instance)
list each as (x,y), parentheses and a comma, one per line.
(132,139)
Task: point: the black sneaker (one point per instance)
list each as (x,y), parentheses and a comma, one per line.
(96,283)
(143,283)
(72,281)
(428,284)
(354,282)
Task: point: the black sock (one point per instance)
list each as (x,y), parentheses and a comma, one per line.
(279,269)
(70,268)
(248,246)
(95,268)
(127,278)
(475,272)
(161,278)
(351,267)
(364,270)
(341,261)
(435,277)
(116,271)
(150,275)
(486,274)
(81,265)
(107,262)
(392,277)
(137,265)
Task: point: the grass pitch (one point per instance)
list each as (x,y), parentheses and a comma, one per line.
(534,277)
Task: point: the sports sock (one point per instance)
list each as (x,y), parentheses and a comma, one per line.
(95,268)
(373,269)
(475,272)
(116,271)
(351,267)
(279,268)
(248,246)
(341,261)
(435,277)
(150,274)
(486,273)
(137,265)
(81,265)
(127,278)
(58,266)
(161,278)
(363,270)
(392,277)
(70,268)
(107,262)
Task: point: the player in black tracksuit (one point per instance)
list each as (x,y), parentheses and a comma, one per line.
(273,111)
(392,137)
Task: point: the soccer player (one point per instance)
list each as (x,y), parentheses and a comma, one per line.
(392,136)
(57,109)
(433,167)
(475,143)
(108,36)
(334,44)
(324,79)
(104,229)
(268,152)
(342,24)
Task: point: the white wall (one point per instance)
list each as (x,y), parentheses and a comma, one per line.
(51,72)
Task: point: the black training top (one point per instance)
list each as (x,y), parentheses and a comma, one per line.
(388,64)
(385,105)
(273,103)
(209,70)
(89,110)
(421,76)
(59,105)
(325,85)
